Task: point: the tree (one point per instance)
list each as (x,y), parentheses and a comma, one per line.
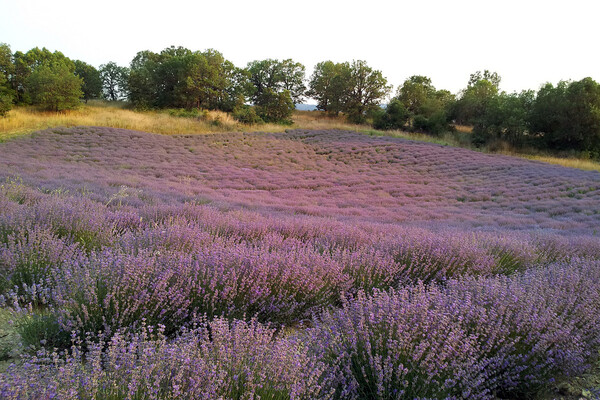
(6,71)
(277,76)
(473,102)
(114,81)
(414,92)
(54,87)
(143,80)
(6,96)
(568,116)
(7,66)
(275,106)
(328,85)
(486,75)
(366,88)
(505,119)
(92,82)
(180,78)
(26,63)
(395,116)
(213,82)
(292,79)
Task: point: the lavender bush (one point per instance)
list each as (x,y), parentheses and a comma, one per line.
(216,360)
(472,338)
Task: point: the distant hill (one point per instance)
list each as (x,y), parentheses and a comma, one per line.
(306,107)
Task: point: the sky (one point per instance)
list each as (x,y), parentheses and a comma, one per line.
(527,42)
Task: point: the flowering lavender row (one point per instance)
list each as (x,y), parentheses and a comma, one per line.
(214,361)
(471,339)
(342,175)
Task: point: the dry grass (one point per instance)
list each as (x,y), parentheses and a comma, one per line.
(322,120)
(578,163)
(24,120)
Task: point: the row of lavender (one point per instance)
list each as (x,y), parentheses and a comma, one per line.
(103,268)
(94,241)
(471,339)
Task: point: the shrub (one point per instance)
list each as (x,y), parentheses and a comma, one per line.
(473,338)
(394,117)
(246,115)
(54,87)
(275,107)
(241,360)
(5,104)
(26,262)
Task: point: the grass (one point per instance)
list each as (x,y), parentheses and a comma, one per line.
(570,162)
(24,120)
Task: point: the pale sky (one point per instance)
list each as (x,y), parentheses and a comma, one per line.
(526,42)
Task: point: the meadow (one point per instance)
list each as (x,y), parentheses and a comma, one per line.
(305,264)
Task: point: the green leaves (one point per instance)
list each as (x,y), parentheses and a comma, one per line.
(276,76)
(92,81)
(353,88)
(114,81)
(54,87)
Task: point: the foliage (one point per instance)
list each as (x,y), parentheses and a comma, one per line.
(395,116)
(6,71)
(180,78)
(474,100)
(414,92)
(275,106)
(246,115)
(92,81)
(328,85)
(6,102)
(114,81)
(366,88)
(276,76)
(568,116)
(7,66)
(424,108)
(54,87)
(505,118)
(27,63)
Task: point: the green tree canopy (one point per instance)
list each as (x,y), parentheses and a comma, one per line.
(482,88)
(275,106)
(414,92)
(114,81)
(365,91)
(277,76)
(505,118)
(26,63)
(328,85)
(54,87)
(180,78)
(92,82)
(567,116)
(6,72)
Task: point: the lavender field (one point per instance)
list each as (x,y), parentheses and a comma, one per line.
(296,265)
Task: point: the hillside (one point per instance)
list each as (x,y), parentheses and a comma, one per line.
(310,251)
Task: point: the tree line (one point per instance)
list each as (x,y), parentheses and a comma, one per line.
(562,116)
